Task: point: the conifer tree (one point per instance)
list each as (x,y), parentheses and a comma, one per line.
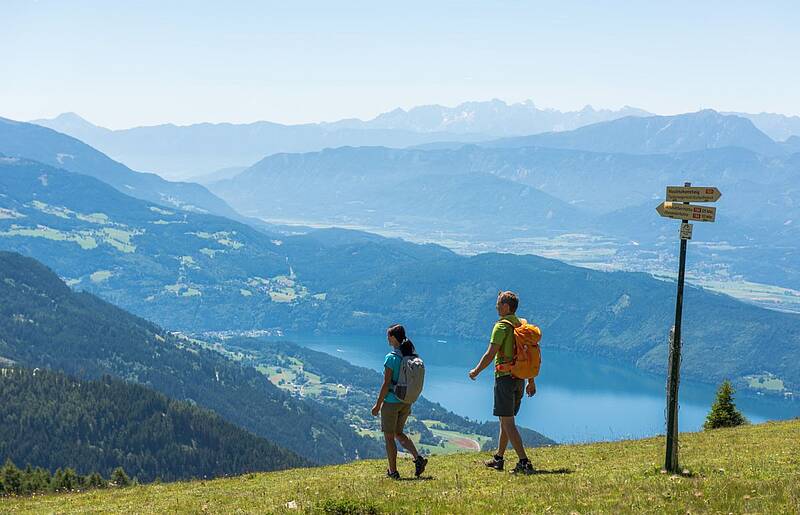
(57,480)
(11,478)
(724,412)
(95,480)
(70,480)
(119,478)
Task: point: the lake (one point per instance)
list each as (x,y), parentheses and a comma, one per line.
(579,399)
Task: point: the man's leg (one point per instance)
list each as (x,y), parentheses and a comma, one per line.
(408,444)
(391,451)
(510,429)
(502,441)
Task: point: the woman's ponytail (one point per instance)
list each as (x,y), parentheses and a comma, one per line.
(406,345)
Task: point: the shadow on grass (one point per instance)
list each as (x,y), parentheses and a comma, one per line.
(421,478)
(537,472)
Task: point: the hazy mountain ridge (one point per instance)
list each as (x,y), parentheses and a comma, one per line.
(19,139)
(656,135)
(201,149)
(490,118)
(428,192)
(779,127)
(386,187)
(592,182)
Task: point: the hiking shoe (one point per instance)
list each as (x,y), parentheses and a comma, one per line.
(393,475)
(523,467)
(419,465)
(497,462)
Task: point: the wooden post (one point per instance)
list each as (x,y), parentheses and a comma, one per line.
(673,380)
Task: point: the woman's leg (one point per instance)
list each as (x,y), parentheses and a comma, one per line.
(408,444)
(391,451)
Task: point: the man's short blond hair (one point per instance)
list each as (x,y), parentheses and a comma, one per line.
(510,299)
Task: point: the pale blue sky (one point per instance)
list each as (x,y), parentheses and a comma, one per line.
(125,63)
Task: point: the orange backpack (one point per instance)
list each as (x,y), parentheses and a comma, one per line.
(527,355)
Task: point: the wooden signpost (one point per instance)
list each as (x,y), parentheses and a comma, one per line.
(677,206)
(683,211)
(692,194)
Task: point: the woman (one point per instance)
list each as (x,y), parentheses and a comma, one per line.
(394,412)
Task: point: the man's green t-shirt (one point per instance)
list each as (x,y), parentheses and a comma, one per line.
(503,338)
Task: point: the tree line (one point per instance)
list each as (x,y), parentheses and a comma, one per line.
(53,421)
(28,481)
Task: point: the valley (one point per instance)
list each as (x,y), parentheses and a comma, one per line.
(216,221)
(599,252)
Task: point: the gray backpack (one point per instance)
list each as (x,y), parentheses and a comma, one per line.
(412,378)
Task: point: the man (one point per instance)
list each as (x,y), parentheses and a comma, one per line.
(508,390)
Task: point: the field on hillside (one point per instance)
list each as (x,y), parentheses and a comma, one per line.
(753,469)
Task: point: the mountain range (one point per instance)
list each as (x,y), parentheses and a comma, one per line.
(63,151)
(656,135)
(183,152)
(198,272)
(180,152)
(505,190)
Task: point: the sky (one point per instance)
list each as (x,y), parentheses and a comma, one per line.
(123,64)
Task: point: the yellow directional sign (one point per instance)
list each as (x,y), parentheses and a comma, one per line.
(692,194)
(690,212)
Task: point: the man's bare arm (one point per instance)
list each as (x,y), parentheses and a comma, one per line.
(487,358)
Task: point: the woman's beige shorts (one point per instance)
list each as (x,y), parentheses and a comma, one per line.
(394,416)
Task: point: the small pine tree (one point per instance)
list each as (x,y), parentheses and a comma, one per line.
(11,478)
(119,478)
(41,479)
(28,480)
(70,480)
(57,480)
(95,480)
(723,412)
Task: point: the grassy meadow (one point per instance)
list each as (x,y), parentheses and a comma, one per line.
(752,469)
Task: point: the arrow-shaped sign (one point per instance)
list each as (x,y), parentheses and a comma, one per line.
(687,212)
(692,194)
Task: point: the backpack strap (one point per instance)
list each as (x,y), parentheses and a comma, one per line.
(505,367)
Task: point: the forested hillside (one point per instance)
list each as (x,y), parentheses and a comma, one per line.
(44,324)
(53,421)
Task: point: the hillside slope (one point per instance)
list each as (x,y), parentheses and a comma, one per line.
(55,421)
(753,469)
(44,324)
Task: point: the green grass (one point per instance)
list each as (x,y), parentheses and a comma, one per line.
(753,469)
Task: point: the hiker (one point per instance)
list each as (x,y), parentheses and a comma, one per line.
(402,383)
(508,333)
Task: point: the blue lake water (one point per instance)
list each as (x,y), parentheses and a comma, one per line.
(579,399)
